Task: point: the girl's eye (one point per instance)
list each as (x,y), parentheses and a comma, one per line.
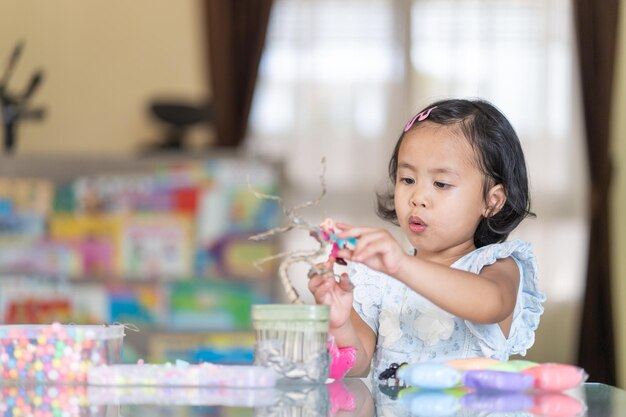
(407,180)
(441,185)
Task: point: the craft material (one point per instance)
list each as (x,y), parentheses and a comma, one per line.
(492,375)
(465,364)
(429,375)
(484,379)
(57,353)
(342,359)
(502,402)
(183,374)
(556,376)
(292,340)
(295,221)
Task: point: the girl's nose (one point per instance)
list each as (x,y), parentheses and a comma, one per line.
(418,198)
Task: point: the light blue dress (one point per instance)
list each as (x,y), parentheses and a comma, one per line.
(412,329)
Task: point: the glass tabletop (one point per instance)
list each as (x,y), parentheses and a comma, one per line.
(348,397)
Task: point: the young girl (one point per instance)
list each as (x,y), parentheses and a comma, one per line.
(460,188)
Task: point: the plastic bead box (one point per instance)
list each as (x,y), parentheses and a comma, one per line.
(57,353)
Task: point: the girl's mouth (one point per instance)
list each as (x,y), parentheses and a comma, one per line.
(416,225)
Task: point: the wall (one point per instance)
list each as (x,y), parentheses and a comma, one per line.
(618,204)
(103,62)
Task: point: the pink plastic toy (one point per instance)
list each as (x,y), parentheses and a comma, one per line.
(556,376)
(341,399)
(556,404)
(341,359)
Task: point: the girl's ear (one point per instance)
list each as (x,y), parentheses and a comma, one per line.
(496,197)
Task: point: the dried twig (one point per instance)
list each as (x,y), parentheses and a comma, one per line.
(295,221)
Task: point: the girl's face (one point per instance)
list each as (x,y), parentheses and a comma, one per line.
(439,192)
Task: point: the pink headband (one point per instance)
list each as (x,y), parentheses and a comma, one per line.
(419,117)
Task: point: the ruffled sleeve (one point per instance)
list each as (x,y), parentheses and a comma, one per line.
(528,307)
(368,293)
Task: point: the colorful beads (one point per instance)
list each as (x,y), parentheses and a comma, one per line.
(57,353)
(46,401)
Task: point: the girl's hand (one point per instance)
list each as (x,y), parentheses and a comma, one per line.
(337,295)
(376,248)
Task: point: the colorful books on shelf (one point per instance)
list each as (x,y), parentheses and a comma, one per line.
(93,237)
(22,227)
(193,305)
(229,347)
(41,259)
(23,301)
(155,246)
(211,305)
(24,205)
(165,248)
(26,195)
(140,304)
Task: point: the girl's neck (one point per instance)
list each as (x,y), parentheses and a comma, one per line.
(445,257)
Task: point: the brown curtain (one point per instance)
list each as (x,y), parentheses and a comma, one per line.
(596,28)
(236,34)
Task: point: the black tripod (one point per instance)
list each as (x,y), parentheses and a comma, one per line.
(14,106)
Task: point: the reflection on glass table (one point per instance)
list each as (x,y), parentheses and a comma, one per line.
(348,397)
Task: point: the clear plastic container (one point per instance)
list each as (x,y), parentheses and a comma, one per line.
(292,340)
(57,353)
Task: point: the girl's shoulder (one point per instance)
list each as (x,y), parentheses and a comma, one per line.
(529,304)
(520,250)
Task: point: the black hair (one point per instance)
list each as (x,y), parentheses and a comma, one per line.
(499,157)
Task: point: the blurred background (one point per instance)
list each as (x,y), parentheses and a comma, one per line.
(132,131)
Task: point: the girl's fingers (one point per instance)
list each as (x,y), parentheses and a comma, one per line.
(366,239)
(345,283)
(324,288)
(345,254)
(373,249)
(322,268)
(363,242)
(315,282)
(357,232)
(343,226)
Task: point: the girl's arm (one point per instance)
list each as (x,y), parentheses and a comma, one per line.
(358,334)
(346,326)
(487,297)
